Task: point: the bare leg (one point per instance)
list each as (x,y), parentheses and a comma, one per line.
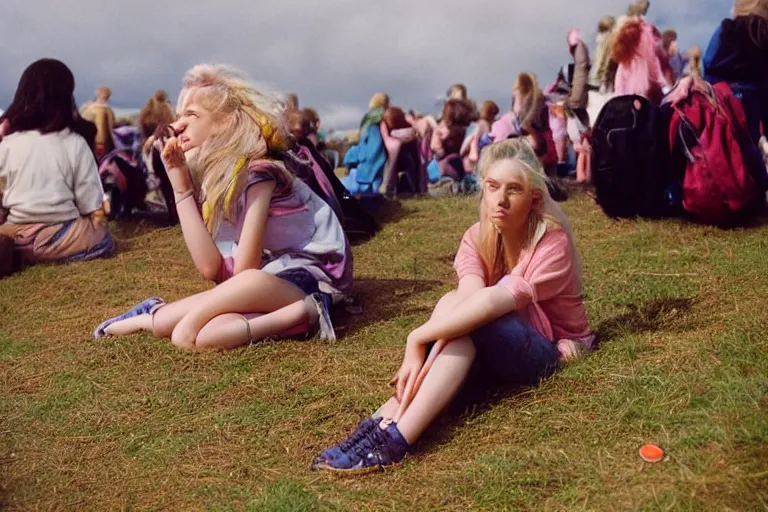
(232,330)
(444,306)
(171,314)
(130,325)
(251,291)
(439,387)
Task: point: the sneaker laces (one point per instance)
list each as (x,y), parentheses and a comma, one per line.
(371,442)
(362,431)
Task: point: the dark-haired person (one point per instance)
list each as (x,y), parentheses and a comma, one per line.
(403,156)
(51,193)
(738,54)
(447,139)
(470,149)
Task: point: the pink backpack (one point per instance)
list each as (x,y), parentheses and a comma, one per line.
(710,128)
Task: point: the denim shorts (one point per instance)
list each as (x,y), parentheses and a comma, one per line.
(513,352)
(306,282)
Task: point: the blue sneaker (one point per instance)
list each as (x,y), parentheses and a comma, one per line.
(142,308)
(322,304)
(363,429)
(376,450)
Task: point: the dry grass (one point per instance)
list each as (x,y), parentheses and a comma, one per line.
(134,424)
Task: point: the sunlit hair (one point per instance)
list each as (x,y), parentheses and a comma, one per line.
(606,24)
(639,8)
(526,93)
(249,123)
(547,216)
(378,100)
(694,64)
(751,7)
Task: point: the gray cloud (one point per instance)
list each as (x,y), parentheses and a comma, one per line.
(334,53)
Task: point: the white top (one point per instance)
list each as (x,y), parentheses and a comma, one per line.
(49,178)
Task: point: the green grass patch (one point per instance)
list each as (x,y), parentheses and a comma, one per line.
(681,312)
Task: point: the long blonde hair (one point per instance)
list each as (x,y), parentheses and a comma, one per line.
(250,123)
(754,7)
(547,217)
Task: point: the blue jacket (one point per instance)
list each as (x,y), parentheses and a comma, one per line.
(369,156)
(738,52)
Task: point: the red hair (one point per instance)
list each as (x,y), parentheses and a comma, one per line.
(627,41)
(394,118)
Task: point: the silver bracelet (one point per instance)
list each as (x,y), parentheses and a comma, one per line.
(185,195)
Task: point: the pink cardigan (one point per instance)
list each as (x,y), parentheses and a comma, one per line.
(643,75)
(546,284)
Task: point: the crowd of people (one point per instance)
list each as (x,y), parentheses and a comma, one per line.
(265,218)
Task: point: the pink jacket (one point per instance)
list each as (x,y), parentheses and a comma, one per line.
(546,284)
(642,75)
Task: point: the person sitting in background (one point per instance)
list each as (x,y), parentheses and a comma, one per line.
(470,149)
(367,158)
(156,112)
(101,114)
(602,72)
(403,157)
(49,184)
(447,139)
(529,118)
(738,54)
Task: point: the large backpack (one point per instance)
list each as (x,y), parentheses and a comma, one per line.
(722,164)
(630,158)
(357,221)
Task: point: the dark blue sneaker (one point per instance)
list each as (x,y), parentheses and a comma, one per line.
(144,307)
(376,450)
(363,429)
(322,304)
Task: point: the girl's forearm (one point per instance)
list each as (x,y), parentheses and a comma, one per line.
(199,242)
(480,308)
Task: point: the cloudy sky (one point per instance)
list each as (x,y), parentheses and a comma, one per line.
(333,53)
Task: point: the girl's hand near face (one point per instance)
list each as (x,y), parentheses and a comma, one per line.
(176,166)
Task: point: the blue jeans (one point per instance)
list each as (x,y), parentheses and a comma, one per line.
(754,98)
(306,282)
(514,352)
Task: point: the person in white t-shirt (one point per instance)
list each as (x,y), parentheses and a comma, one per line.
(50,192)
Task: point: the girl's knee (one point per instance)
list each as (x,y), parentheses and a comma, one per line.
(251,274)
(462,347)
(182,342)
(183,338)
(205,341)
(160,328)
